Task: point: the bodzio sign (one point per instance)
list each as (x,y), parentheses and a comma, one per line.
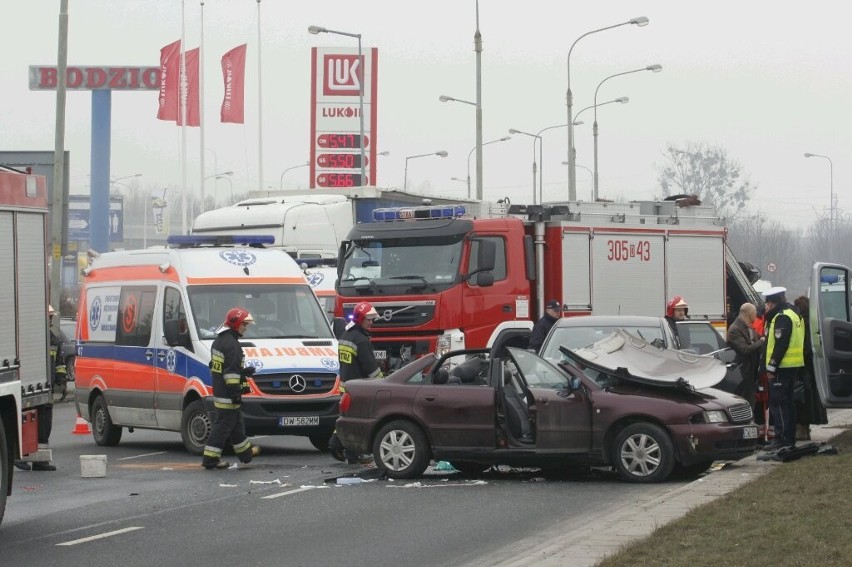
(46,78)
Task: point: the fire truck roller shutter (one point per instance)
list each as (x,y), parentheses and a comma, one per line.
(628,270)
(576,270)
(696,270)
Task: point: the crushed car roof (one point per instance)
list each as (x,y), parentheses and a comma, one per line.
(629,357)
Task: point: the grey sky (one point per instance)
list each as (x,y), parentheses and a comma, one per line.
(766,80)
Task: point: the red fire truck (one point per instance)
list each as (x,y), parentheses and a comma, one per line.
(443,277)
(24,358)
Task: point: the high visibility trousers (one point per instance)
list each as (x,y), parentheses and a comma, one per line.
(228,429)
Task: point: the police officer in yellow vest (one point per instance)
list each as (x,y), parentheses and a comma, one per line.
(785,358)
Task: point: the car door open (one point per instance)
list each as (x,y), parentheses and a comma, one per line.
(831,333)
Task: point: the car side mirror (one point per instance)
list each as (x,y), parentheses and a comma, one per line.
(574,383)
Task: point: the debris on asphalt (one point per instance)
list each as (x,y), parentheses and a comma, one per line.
(274,481)
(223,485)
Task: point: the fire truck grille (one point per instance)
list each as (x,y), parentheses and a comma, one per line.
(403,315)
(295,384)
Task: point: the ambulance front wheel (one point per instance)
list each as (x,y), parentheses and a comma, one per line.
(195,426)
(105,433)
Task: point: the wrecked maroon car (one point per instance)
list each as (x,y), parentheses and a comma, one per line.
(477,408)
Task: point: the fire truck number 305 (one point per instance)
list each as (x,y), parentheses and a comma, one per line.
(623,250)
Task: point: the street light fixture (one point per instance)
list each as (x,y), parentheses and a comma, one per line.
(221,175)
(478,134)
(470,153)
(125,177)
(654,69)
(317,30)
(281,182)
(572,176)
(534,165)
(441,153)
(620,100)
(831,184)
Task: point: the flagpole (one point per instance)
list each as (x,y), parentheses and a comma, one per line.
(201,101)
(183,97)
(259,110)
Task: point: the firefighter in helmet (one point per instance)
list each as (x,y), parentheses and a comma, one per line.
(676,310)
(357,360)
(227,366)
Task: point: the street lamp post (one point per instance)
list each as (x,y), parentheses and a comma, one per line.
(478,135)
(572,175)
(470,153)
(117,179)
(541,160)
(317,30)
(654,69)
(281,182)
(534,166)
(831,185)
(477,47)
(221,175)
(620,100)
(441,153)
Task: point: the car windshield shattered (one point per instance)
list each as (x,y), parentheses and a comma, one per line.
(279,311)
(422,264)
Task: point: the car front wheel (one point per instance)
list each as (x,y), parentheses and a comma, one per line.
(195,426)
(643,452)
(104,432)
(401,449)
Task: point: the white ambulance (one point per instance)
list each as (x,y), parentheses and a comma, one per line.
(147,319)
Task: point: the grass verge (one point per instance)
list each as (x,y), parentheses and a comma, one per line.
(798,514)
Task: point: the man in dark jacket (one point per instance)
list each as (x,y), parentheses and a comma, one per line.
(747,344)
(785,359)
(552,312)
(227,366)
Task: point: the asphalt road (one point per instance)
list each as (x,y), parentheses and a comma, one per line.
(157,506)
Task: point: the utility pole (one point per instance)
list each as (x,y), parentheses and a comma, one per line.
(57,213)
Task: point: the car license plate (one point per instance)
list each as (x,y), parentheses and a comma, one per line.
(306,420)
(750,433)
(381,354)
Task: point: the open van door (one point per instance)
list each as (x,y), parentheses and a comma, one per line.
(831,333)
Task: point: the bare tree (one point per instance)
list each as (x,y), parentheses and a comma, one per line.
(706,171)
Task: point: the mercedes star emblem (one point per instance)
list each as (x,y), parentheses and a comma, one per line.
(298,383)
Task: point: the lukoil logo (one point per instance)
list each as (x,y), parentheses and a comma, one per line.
(343,75)
(340,112)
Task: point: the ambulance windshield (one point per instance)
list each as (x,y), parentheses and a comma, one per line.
(279,311)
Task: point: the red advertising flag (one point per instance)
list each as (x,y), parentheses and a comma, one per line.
(169,100)
(234,73)
(193,112)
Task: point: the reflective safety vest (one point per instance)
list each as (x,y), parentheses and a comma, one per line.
(795,355)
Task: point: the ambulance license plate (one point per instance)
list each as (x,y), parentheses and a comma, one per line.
(750,433)
(291,421)
(380,354)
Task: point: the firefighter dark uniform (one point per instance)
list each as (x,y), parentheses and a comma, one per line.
(357,360)
(785,358)
(227,367)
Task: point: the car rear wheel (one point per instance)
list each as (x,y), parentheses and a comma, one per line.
(69,368)
(401,449)
(104,432)
(643,452)
(195,426)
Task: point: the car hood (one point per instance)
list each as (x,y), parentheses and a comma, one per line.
(633,359)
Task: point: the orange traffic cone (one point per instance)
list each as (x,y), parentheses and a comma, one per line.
(81,427)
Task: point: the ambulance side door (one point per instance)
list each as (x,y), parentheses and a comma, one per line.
(132,399)
(171,361)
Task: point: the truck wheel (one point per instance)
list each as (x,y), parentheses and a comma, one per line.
(195,426)
(400,448)
(105,433)
(5,469)
(320,440)
(643,452)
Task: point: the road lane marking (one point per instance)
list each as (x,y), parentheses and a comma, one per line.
(288,492)
(100,536)
(140,456)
